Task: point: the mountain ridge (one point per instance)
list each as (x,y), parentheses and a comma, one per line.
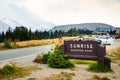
(89,26)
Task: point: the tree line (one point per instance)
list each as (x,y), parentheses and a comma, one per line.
(22,33)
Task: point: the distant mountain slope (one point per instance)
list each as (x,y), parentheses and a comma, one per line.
(12,23)
(3,26)
(89,26)
(24,17)
(19,16)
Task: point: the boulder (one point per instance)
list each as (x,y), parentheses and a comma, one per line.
(39,57)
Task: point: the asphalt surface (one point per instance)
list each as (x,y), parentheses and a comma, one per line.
(21,52)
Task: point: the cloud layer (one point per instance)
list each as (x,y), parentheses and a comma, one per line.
(72,11)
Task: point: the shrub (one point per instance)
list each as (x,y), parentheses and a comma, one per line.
(42,58)
(57,47)
(10,69)
(55,59)
(59,60)
(45,58)
(7,44)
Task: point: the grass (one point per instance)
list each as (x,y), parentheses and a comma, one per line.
(35,43)
(114,54)
(95,77)
(39,42)
(31,79)
(98,68)
(93,65)
(61,76)
(29,43)
(11,71)
(83,61)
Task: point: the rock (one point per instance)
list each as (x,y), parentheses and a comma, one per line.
(39,57)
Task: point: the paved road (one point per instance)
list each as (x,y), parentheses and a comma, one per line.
(15,53)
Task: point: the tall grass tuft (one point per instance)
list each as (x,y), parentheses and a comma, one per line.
(83,61)
(95,77)
(114,54)
(11,71)
(98,68)
(61,76)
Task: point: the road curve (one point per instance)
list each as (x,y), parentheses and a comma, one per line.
(21,52)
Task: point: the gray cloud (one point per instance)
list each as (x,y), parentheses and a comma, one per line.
(71,11)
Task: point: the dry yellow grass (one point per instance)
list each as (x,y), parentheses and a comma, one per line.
(21,72)
(87,36)
(114,54)
(2,46)
(114,51)
(61,76)
(29,43)
(39,42)
(35,42)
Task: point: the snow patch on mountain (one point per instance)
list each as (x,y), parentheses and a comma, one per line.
(3,26)
(19,16)
(12,23)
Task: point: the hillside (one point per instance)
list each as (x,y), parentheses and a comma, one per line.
(22,17)
(3,26)
(89,26)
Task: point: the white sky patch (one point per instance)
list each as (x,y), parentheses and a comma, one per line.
(73,11)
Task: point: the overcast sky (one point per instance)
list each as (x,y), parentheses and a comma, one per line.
(62,12)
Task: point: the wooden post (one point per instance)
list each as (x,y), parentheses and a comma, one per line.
(107,62)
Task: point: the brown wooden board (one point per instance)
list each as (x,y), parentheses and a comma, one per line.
(85,49)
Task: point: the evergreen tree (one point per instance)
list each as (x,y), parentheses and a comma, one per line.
(9,33)
(21,33)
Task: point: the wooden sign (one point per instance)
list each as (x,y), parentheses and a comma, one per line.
(86,49)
